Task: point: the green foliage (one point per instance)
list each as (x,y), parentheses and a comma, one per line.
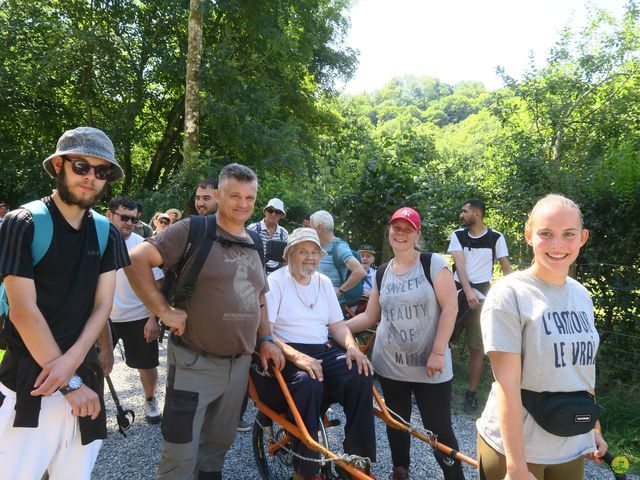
(121,66)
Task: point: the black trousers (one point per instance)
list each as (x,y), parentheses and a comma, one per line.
(434,404)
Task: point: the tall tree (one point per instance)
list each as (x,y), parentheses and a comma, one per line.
(192,88)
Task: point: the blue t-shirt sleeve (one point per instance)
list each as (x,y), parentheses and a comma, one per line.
(343,252)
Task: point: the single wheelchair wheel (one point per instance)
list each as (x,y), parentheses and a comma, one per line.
(279,465)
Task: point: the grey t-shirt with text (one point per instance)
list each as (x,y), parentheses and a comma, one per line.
(552,328)
(408,324)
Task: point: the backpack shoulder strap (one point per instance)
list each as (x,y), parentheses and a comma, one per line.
(43,229)
(257,241)
(202,234)
(425,260)
(102,230)
(380,274)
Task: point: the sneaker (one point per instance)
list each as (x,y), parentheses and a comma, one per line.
(399,473)
(151,412)
(243,425)
(470,402)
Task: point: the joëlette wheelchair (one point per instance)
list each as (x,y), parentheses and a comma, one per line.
(272,433)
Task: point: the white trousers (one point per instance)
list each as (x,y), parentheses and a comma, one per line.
(53,447)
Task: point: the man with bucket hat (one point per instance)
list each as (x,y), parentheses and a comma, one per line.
(268,228)
(58,264)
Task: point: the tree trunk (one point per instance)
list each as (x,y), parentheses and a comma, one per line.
(163,152)
(192,90)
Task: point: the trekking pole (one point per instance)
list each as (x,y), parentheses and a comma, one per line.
(123,421)
(122,416)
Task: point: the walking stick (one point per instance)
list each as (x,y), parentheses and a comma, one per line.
(122,416)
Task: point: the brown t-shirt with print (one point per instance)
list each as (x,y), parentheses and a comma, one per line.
(224,312)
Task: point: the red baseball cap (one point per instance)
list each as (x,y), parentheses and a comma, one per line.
(408,214)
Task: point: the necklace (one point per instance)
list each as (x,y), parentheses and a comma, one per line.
(295,286)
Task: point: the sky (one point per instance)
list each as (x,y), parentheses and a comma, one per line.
(457,40)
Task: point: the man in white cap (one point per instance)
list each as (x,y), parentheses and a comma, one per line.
(51,380)
(268,228)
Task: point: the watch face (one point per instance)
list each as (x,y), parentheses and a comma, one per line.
(75,382)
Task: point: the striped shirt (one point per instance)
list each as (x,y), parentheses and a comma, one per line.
(280,234)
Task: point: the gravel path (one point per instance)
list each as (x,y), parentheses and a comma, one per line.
(136,456)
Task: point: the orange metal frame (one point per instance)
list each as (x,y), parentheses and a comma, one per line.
(382,412)
(300,431)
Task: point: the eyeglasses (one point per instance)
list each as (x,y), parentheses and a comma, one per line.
(273,210)
(80,167)
(164,222)
(126,218)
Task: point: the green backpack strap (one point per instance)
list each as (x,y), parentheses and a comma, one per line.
(42,236)
(42,229)
(102,230)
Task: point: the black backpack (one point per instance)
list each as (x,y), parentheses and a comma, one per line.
(425,260)
(179,281)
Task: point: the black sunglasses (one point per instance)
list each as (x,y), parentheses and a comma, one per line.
(164,221)
(126,218)
(80,167)
(273,210)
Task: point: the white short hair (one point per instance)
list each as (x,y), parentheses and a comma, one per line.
(323,219)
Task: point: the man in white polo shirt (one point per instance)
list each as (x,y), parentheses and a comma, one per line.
(131,320)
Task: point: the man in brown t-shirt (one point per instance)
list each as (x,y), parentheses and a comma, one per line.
(213,338)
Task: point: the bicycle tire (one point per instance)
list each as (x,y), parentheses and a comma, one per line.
(279,466)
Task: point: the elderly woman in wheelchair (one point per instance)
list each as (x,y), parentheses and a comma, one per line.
(323,359)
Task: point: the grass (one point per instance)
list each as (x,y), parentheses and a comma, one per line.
(621,419)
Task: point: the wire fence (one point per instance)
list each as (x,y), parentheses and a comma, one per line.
(615,290)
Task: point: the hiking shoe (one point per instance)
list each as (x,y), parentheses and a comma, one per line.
(243,425)
(399,473)
(151,412)
(470,402)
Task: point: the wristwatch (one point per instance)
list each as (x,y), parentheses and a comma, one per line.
(75,382)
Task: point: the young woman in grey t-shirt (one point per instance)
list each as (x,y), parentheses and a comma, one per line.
(411,354)
(538,330)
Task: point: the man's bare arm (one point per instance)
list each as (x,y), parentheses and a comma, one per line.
(505,265)
(57,372)
(29,321)
(357,275)
(144,257)
(463,277)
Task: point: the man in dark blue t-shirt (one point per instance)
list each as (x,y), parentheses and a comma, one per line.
(51,380)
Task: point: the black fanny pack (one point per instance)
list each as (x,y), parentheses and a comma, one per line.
(564,414)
